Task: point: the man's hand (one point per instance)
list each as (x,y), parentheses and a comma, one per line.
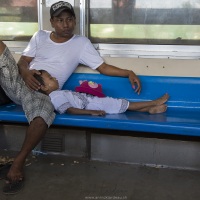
(110,70)
(27,74)
(135,82)
(30,80)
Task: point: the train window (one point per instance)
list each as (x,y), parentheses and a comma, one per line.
(18,19)
(144,22)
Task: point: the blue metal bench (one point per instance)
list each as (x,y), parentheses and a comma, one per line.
(181,118)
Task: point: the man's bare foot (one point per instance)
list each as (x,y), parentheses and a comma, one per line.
(15,173)
(14,180)
(157,109)
(161,100)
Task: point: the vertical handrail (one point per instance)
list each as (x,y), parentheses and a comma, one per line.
(83,19)
(40,20)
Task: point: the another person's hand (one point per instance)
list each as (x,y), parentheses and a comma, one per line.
(30,80)
(135,82)
(98,112)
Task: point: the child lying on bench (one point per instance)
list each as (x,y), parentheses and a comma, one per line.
(90,100)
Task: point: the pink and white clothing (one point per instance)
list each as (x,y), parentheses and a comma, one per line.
(64,99)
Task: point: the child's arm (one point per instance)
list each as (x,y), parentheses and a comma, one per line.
(77,111)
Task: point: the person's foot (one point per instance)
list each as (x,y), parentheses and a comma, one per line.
(15,173)
(14,180)
(161,100)
(13,187)
(157,109)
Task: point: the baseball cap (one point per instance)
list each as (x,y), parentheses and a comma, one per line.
(90,87)
(60,6)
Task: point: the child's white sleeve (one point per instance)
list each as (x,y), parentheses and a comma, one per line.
(59,101)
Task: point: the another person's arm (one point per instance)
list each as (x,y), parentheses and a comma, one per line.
(77,111)
(115,71)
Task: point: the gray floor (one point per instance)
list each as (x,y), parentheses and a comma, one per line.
(63,178)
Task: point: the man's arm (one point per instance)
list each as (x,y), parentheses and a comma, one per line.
(77,111)
(27,74)
(115,71)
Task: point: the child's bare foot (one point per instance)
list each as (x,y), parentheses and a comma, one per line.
(161,100)
(158,109)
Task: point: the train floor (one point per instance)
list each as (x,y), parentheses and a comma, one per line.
(58,177)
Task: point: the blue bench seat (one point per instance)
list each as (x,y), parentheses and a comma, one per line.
(181,118)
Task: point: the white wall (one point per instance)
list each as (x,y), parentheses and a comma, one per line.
(152,67)
(155,67)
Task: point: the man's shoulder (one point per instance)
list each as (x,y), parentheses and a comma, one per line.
(43,33)
(81,38)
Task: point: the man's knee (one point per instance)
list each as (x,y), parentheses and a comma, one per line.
(2,47)
(39,122)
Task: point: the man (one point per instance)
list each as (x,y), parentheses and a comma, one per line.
(59,52)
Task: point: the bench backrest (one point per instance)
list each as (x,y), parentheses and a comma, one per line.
(184,91)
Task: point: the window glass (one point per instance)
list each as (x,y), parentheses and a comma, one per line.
(145,21)
(18,19)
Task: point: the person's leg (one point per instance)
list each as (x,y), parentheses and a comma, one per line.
(154,109)
(154,106)
(40,113)
(34,134)
(2,47)
(37,107)
(10,80)
(108,104)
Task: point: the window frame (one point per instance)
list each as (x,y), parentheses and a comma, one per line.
(17,47)
(136,50)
